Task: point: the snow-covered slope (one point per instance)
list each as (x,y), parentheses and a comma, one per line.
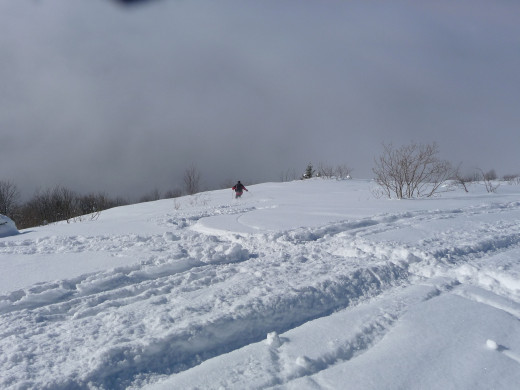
(308,284)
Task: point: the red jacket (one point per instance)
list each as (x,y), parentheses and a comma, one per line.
(239,187)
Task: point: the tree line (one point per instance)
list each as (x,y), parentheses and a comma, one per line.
(52,205)
(63,204)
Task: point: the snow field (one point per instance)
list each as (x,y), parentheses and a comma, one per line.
(238,294)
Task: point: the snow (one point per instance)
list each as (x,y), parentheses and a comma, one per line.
(7,227)
(313,284)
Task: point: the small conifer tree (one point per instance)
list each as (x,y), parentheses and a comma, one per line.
(309,172)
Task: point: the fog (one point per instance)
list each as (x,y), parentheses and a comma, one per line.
(96,95)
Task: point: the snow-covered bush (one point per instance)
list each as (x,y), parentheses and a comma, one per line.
(7,226)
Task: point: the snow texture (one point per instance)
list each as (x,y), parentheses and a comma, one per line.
(313,284)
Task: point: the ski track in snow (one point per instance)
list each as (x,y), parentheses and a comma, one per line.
(260,283)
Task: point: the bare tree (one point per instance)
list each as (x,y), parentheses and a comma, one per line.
(461,179)
(89,207)
(43,206)
(94,203)
(191,180)
(411,171)
(489,175)
(63,204)
(9,195)
(489,180)
(343,172)
(512,178)
(325,171)
(54,205)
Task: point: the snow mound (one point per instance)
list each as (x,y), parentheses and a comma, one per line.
(7,227)
(492,344)
(273,340)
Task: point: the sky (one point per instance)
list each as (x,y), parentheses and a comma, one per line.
(99,96)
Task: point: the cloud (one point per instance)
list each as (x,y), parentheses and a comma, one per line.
(101,97)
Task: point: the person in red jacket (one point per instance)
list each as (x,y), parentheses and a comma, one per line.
(238,188)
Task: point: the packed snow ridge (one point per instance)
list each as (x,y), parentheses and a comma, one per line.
(303,285)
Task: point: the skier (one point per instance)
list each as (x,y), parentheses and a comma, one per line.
(238,188)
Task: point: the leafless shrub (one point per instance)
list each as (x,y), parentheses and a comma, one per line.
(378,192)
(87,217)
(191,180)
(490,175)
(343,172)
(461,179)
(325,171)
(512,179)
(489,179)
(411,171)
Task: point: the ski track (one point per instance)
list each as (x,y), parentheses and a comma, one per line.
(226,271)
(374,328)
